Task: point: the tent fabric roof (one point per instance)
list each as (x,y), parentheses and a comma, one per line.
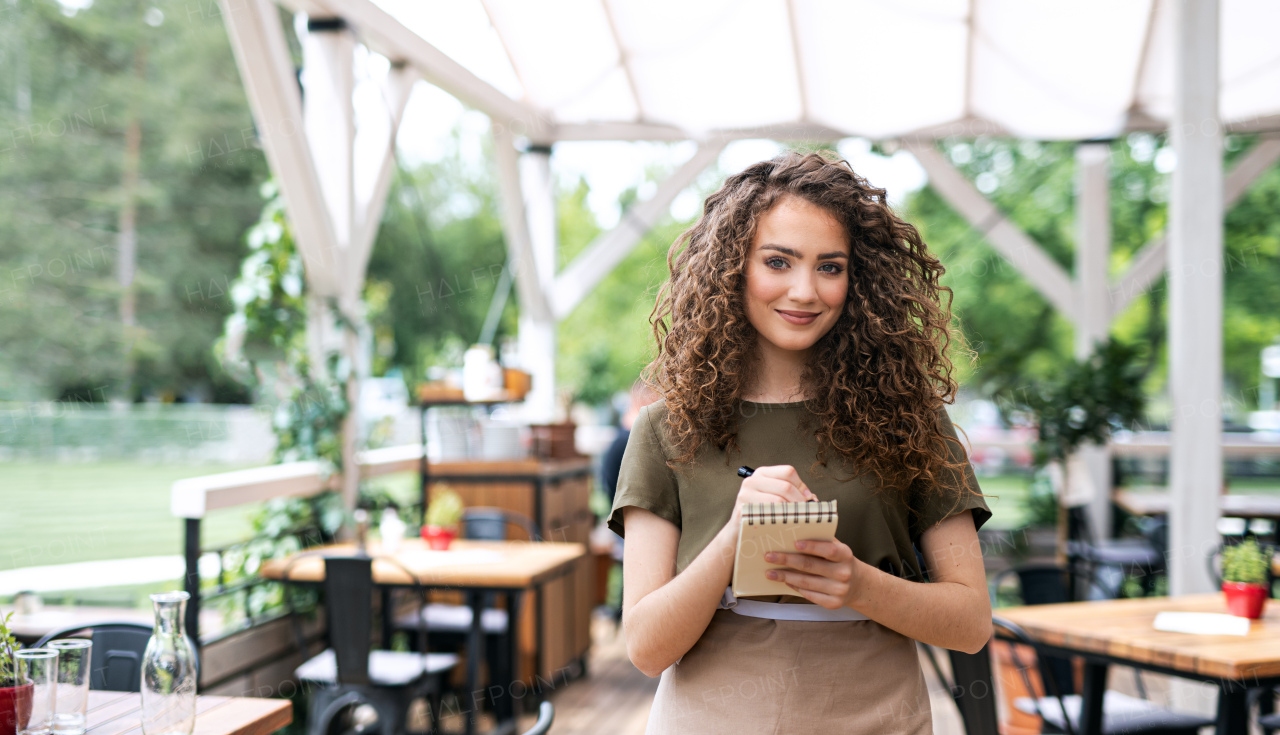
(1053,70)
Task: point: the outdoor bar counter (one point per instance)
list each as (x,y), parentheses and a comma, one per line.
(555,493)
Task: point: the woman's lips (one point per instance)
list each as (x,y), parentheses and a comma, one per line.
(797,317)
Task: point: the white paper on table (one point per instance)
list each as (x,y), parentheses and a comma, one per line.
(1201,623)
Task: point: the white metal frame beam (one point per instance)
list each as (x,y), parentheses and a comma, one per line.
(609,249)
(1049,278)
(1149,263)
(382,33)
(373,184)
(263,56)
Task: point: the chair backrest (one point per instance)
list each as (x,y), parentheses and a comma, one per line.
(974,690)
(1010,631)
(546,714)
(115,661)
(490,524)
(1043,584)
(348,600)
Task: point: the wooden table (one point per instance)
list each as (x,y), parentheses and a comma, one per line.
(120,713)
(1120,632)
(506,567)
(1232,506)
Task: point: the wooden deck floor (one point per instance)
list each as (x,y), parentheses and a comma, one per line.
(614,699)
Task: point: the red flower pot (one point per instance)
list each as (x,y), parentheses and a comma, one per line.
(1245,600)
(439,537)
(15,706)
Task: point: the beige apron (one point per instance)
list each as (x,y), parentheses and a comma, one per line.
(749,676)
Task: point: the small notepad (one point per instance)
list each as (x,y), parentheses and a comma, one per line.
(776,527)
(1201,623)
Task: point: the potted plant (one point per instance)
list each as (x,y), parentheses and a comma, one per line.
(1244,578)
(15,698)
(443,514)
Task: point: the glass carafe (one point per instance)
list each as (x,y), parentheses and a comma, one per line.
(169,671)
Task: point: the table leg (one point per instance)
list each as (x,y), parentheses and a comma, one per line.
(1233,708)
(475,654)
(1095,689)
(504,705)
(388,617)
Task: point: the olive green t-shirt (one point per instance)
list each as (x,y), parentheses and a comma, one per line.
(880,527)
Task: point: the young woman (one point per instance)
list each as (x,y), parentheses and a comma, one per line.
(803,332)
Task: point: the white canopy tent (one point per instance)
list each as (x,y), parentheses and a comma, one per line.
(712,71)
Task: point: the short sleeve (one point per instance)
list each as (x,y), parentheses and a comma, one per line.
(955,491)
(644,480)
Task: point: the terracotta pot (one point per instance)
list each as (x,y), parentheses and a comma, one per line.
(1245,600)
(15,706)
(439,537)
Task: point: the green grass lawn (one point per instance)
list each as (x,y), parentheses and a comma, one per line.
(59,513)
(1005,496)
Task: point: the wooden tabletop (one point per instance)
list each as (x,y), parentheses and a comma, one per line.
(1232,505)
(120,713)
(509,564)
(1123,629)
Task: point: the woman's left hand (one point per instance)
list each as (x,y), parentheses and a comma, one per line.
(823,572)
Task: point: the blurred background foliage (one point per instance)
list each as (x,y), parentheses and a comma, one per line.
(75,83)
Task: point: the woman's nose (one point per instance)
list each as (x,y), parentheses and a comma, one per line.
(804,287)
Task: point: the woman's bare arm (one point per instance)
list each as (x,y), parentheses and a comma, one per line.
(953,611)
(665,613)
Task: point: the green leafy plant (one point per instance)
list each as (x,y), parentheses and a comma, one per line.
(8,644)
(1086,401)
(445,508)
(1246,562)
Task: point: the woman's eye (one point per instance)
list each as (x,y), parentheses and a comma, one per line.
(832,268)
(776,263)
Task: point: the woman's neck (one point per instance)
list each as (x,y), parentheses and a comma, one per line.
(777,379)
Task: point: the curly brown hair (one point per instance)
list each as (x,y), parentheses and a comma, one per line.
(879,377)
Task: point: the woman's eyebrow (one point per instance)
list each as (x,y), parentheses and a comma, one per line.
(796,254)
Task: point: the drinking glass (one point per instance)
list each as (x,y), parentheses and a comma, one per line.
(38,668)
(73,685)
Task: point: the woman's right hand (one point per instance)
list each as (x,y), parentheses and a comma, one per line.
(772,484)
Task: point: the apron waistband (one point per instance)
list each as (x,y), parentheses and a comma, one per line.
(785,611)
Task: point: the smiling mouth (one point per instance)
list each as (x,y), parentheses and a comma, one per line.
(797,317)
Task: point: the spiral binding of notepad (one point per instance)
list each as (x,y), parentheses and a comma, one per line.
(788,513)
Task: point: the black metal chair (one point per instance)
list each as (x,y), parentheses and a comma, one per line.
(350,674)
(971,687)
(971,681)
(1143,558)
(115,661)
(450,625)
(1060,712)
(546,714)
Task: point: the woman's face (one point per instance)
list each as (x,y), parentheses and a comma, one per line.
(796,274)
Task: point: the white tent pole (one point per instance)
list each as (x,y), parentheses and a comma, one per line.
(1149,263)
(610,248)
(328,51)
(1032,262)
(537,324)
(537,338)
(1195,298)
(1093,308)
